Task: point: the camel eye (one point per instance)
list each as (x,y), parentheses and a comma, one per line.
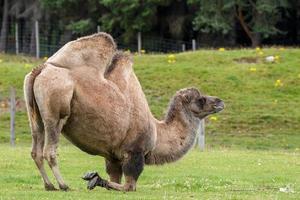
(202,101)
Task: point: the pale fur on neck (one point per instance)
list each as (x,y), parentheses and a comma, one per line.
(175,135)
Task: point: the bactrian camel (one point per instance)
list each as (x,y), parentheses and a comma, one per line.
(88,91)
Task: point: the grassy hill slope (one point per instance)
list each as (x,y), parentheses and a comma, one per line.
(262,99)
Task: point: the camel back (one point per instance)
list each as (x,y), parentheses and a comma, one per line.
(91,51)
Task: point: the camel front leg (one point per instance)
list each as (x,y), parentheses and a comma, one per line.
(132,167)
(114,170)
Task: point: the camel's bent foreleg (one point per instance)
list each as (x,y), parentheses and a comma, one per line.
(132,167)
(114,170)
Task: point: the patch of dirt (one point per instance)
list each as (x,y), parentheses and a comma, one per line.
(250,60)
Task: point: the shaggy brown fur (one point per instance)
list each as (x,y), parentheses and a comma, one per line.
(99,105)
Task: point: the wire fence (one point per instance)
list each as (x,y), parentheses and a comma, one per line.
(38,39)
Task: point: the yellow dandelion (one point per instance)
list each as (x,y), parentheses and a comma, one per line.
(171,58)
(222,49)
(281,48)
(45,58)
(1,60)
(143,51)
(276,57)
(257,49)
(252,69)
(260,53)
(213,118)
(278,83)
(298,75)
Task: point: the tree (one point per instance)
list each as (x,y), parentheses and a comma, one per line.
(258,18)
(3,34)
(132,16)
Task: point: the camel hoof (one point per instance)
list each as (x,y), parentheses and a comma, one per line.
(94,180)
(89,176)
(92,183)
(64,188)
(50,187)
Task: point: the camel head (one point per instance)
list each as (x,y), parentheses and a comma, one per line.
(199,105)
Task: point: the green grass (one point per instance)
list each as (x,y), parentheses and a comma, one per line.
(258,115)
(214,174)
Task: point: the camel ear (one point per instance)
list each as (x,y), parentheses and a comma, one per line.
(186,98)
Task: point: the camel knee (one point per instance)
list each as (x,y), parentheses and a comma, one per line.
(130,185)
(37,157)
(33,155)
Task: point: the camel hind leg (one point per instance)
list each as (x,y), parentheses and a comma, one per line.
(53,90)
(37,132)
(52,133)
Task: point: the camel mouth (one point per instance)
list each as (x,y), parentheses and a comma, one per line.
(219,107)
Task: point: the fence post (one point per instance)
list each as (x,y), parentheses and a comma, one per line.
(17,38)
(201,136)
(183,47)
(12,115)
(98,29)
(139,40)
(194,44)
(37,39)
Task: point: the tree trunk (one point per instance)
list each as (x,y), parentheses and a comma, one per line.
(3,36)
(254,37)
(255,40)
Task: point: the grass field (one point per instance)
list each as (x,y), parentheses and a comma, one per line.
(258,114)
(252,147)
(214,174)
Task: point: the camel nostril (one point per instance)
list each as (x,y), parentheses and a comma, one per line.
(217,101)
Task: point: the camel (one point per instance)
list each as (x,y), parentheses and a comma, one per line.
(89,92)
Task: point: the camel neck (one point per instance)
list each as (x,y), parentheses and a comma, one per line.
(174,139)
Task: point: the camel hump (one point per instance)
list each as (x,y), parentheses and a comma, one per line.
(95,51)
(120,59)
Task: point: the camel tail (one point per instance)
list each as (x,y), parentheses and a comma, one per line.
(31,105)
